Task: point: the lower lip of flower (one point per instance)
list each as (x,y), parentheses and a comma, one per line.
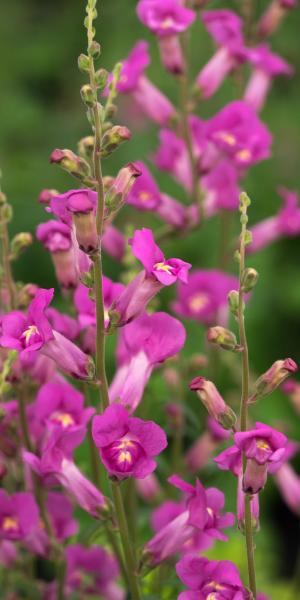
(145,196)
(61,418)
(168,22)
(122,455)
(262,445)
(226,137)
(30,335)
(243,155)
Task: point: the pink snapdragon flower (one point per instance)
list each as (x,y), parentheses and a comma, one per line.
(254,507)
(172,157)
(221,189)
(205,578)
(33,332)
(59,404)
(288,483)
(273,378)
(158,273)
(285,223)
(237,133)
(189,524)
(19,515)
(153,103)
(84,574)
(262,447)
(266,66)
(63,323)
(57,239)
(272,18)
(226,29)
(127,445)
(167,20)
(56,463)
(149,488)
(145,195)
(145,343)
(204,298)
(113,242)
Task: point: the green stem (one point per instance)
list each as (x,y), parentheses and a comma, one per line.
(5,261)
(98,271)
(126,544)
(23,421)
(61,578)
(111,538)
(244,405)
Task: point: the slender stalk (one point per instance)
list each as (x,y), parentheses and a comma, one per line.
(245,396)
(5,262)
(98,271)
(127,548)
(61,578)
(111,538)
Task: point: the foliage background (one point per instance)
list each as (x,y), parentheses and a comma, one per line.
(40,108)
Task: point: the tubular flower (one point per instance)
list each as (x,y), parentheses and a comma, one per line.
(158,273)
(210,579)
(127,445)
(33,332)
(145,343)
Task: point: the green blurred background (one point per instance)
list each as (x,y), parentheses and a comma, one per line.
(40,109)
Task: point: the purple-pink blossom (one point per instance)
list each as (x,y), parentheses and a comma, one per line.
(206,578)
(127,445)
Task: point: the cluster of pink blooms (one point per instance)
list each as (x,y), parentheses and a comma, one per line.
(53,364)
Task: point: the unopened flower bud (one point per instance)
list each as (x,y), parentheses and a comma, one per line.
(19,243)
(3,198)
(26,294)
(223,338)
(249,279)
(101,77)
(70,162)
(86,146)
(271,379)
(233,302)
(46,195)
(84,63)
(94,49)
(120,187)
(6,212)
(88,95)
(113,138)
(213,402)
(82,206)
(110,111)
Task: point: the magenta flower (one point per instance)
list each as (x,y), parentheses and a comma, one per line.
(145,196)
(230,460)
(213,402)
(189,524)
(84,574)
(146,342)
(153,260)
(61,405)
(172,157)
(288,482)
(167,20)
(262,446)
(33,332)
(127,445)
(56,462)
(60,511)
(204,298)
(285,223)
(19,515)
(199,455)
(237,132)
(63,205)
(158,273)
(272,18)
(86,307)
(149,98)
(149,488)
(226,29)
(56,238)
(221,188)
(207,578)
(63,323)
(266,66)
(113,242)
